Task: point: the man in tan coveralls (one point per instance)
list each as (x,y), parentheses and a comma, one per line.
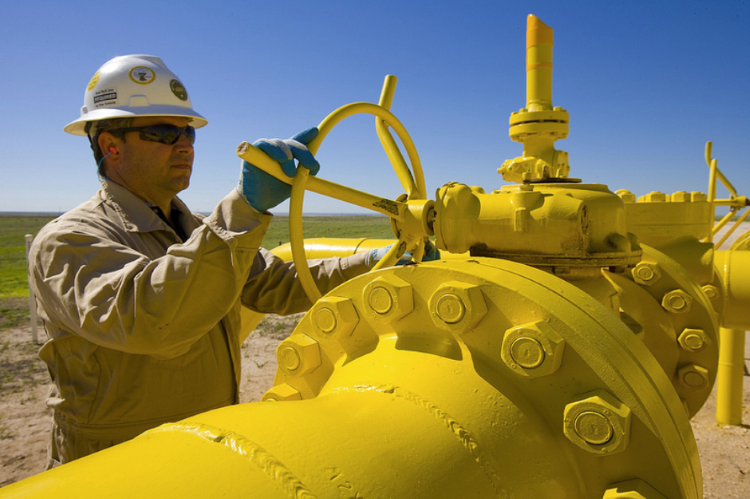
(141,298)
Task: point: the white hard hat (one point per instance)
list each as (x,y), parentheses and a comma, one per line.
(131,86)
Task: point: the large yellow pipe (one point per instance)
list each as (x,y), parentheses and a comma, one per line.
(730,377)
(733,270)
(476,378)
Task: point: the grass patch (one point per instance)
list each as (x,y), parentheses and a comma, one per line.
(375,227)
(277,327)
(13,229)
(14,312)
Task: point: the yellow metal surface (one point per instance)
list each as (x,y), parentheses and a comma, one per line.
(538,224)
(733,276)
(730,377)
(374,398)
(539,124)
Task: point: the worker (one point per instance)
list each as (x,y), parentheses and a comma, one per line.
(141,298)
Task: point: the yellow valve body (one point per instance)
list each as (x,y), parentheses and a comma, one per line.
(540,224)
(481,378)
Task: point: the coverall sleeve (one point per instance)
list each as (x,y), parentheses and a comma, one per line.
(97,285)
(273,286)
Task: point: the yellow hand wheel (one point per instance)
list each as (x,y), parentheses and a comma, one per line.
(411,215)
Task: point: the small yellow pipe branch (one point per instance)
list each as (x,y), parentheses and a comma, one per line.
(730,377)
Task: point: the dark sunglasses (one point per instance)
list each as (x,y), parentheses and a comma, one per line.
(166,134)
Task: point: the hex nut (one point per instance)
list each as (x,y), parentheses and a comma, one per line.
(653,197)
(710,291)
(598,423)
(680,197)
(693,340)
(281,392)
(297,355)
(334,317)
(457,306)
(388,298)
(693,376)
(677,302)
(533,350)
(646,273)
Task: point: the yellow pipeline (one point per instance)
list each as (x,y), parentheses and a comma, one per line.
(733,272)
(733,276)
(730,378)
(476,378)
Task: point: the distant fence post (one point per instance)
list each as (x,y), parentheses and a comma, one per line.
(32,302)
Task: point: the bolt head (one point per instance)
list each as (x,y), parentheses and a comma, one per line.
(646,273)
(297,355)
(598,423)
(693,376)
(677,302)
(334,317)
(533,350)
(693,340)
(281,392)
(710,291)
(388,298)
(457,306)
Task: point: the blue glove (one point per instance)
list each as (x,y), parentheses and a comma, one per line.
(374,256)
(262,190)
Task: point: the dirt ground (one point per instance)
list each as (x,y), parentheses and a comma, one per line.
(24,418)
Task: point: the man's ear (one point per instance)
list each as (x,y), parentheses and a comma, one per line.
(109,145)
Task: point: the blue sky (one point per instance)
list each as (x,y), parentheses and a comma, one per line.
(646,85)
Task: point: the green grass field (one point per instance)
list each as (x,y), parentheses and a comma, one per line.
(13,280)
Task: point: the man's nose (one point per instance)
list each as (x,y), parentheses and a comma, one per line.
(183,144)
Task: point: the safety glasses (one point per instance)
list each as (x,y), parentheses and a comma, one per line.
(165,134)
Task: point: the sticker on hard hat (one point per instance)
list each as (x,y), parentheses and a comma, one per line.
(105,97)
(92,83)
(142,75)
(178,89)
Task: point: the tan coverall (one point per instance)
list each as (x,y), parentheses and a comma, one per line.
(144,329)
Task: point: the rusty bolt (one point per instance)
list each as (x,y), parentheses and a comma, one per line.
(457,306)
(693,340)
(281,392)
(297,355)
(677,301)
(646,273)
(598,423)
(533,350)
(334,317)
(388,298)
(693,376)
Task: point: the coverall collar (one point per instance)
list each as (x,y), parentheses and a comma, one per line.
(137,215)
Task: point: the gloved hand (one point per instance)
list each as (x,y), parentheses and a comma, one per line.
(262,190)
(374,256)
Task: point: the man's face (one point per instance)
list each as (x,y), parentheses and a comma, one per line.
(154,171)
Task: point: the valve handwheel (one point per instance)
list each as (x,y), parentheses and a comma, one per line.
(410,214)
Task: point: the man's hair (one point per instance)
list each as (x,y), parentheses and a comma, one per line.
(95,128)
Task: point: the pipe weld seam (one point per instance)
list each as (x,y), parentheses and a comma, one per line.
(461,433)
(248,449)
